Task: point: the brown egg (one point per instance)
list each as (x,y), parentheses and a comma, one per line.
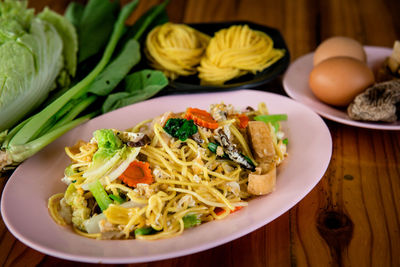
(336,81)
(339,46)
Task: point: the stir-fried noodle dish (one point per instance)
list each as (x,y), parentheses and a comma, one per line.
(170,173)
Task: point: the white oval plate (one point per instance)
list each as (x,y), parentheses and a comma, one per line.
(24,200)
(295,83)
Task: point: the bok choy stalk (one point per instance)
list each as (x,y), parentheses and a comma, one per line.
(31,135)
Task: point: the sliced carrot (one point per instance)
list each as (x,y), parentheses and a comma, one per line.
(219,211)
(243,120)
(138,172)
(201,118)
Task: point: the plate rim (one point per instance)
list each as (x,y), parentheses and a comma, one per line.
(189,250)
(366,125)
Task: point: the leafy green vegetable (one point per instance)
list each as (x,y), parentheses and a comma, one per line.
(285,141)
(106,138)
(212,147)
(102,199)
(153,17)
(34,56)
(105,157)
(61,112)
(68,36)
(180,128)
(139,86)
(25,141)
(96,26)
(74,13)
(111,76)
(191,220)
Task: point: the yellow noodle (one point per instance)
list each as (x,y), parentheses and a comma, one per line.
(79,232)
(175,49)
(236,51)
(189,179)
(53,206)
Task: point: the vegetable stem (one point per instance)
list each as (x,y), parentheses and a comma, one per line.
(33,127)
(100,194)
(19,153)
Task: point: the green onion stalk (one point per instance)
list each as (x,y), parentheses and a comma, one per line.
(67,111)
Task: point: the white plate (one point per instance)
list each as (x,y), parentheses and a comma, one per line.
(24,201)
(296,86)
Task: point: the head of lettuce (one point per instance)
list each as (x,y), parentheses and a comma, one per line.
(38,54)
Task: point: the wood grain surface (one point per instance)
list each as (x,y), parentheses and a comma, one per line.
(352,217)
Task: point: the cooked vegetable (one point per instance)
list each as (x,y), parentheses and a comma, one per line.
(212,147)
(108,143)
(118,199)
(271,117)
(243,120)
(78,203)
(191,186)
(138,172)
(233,153)
(144,231)
(102,199)
(37,55)
(219,211)
(111,159)
(201,118)
(191,220)
(180,128)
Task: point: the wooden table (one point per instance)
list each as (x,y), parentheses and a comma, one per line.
(352,217)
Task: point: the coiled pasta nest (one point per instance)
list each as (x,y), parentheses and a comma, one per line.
(176,49)
(236,51)
(179,50)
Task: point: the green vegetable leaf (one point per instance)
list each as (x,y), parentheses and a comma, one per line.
(153,17)
(29,66)
(212,147)
(111,76)
(150,81)
(95,27)
(100,194)
(180,128)
(15,18)
(36,123)
(139,86)
(191,220)
(74,13)
(106,138)
(68,35)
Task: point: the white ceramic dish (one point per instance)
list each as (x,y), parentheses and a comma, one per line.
(295,83)
(24,201)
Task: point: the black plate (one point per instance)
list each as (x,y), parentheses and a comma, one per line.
(191,84)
